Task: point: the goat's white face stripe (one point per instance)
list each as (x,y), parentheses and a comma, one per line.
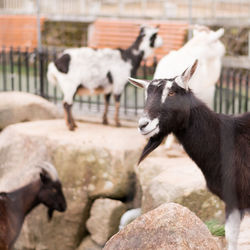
(165,91)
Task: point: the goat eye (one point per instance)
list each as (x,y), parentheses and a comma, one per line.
(171,93)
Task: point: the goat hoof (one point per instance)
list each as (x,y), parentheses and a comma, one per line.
(71,127)
(74,125)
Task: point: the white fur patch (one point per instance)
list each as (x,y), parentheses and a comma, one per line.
(152,127)
(129,216)
(50,169)
(165,91)
(180,82)
(232,229)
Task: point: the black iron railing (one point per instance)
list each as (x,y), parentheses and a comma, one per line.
(25,70)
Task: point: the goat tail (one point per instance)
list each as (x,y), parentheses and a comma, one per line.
(51,74)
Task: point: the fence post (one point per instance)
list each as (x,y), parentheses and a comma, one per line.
(41,71)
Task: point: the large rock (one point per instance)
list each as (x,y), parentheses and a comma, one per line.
(93,161)
(166,179)
(89,244)
(104,219)
(167,227)
(20,106)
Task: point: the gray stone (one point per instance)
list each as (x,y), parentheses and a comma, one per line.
(18,107)
(94,160)
(89,244)
(104,219)
(166,179)
(168,227)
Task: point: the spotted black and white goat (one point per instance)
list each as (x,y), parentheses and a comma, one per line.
(87,71)
(218,144)
(45,188)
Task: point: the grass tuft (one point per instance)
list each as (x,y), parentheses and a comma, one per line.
(215,228)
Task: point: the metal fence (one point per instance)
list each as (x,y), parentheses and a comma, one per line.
(25,70)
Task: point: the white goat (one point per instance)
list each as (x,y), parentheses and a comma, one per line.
(209,50)
(86,71)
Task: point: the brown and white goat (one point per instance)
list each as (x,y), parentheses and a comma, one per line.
(86,71)
(15,205)
(219,144)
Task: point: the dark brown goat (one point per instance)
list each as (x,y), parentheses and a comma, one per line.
(218,144)
(14,206)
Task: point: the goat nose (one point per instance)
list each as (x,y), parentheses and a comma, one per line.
(143,122)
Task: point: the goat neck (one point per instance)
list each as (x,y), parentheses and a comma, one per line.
(207,138)
(134,55)
(25,198)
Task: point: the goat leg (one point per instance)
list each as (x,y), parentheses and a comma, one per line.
(232,227)
(104,118)
(117,107)
(68,115)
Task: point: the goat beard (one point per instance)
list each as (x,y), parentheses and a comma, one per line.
(50,213)
(152,144)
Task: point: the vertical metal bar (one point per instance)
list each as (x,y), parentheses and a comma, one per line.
(233,94)
(19,66)
(27,69)
(240,92)
(249,44)
(125,98)
(221,84)
(41,75)
(46,59)
(12,68)
(136,100)
(35,70)
(4,69)
(144,70)
(55,88)
(228,78)
(98,103)
(247,92)
(89,102)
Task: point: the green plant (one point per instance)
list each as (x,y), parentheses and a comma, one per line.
(215,228)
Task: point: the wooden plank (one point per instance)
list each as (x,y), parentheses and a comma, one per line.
(19,31)
(114,33)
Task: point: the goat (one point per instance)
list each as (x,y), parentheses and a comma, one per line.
(15,205)
(219,144)
(103,71)
(209,50)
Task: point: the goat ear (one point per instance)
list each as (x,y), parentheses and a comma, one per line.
(44,177)
(185,77)
(138,82)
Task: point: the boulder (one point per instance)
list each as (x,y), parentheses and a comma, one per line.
(170,226)
(93,161)
(166,179)
(88,244)
(18,107)
(104,219)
